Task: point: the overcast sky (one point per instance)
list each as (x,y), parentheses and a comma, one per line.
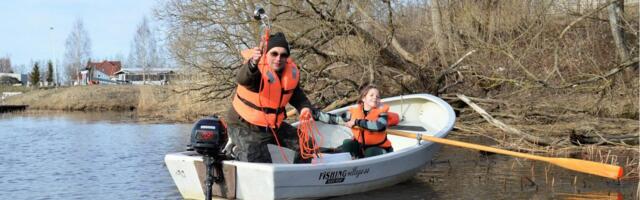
(26,34)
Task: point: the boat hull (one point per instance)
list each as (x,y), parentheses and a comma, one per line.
(291,181)
(268,181)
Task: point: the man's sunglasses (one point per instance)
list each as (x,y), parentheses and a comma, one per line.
(276,54)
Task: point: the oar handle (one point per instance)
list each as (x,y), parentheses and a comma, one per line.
(584,166)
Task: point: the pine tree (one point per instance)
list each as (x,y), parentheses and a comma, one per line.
(35,75)
(49,72)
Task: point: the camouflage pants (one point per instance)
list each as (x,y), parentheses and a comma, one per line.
(251,141)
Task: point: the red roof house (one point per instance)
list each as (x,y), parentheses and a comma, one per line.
(99,73)
(107,67)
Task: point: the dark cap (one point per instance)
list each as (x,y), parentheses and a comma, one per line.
(278,40)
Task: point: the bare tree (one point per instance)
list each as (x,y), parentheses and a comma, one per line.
(5,65)
(144,49)
(438,34)
(615,15)
(333,41)
(400,45)
(21,69)
(205,38)
(77,50)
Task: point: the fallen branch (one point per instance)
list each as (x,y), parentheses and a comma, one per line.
(453,66)
(527,137)
(618,140)
(451,97)
(459,80)
(440,78)
(631,63)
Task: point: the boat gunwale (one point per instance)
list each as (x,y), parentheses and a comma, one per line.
(376,159)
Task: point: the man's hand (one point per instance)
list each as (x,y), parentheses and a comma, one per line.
(305,113)
(256,55)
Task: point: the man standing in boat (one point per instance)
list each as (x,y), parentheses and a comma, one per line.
(266,84)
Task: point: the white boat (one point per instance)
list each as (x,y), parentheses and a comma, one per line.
(419,113)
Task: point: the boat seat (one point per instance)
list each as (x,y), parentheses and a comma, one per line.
(328,150)
(408,128)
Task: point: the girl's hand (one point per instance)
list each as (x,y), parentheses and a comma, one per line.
(350,123)
(305,114)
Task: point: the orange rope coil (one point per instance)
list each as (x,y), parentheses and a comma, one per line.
(307,137)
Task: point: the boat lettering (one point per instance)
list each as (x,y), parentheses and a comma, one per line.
(338,176)
(181,173)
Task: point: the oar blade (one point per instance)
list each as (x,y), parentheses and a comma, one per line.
(589,167)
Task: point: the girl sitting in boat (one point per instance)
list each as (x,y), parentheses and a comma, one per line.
(368,122)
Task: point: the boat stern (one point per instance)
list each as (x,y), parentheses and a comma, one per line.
(182,167)
(246,180)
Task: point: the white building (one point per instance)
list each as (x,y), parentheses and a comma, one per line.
(139,76)
(23,78)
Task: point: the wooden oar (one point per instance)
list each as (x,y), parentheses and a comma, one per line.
(584,166)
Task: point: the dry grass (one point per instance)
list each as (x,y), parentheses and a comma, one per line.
(153,102)
(164,103)
(8,88)
(80,98)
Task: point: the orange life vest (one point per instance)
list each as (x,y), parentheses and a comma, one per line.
(267,107)
(367,137)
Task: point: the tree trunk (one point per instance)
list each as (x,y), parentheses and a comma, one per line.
(615,14)
(440,40)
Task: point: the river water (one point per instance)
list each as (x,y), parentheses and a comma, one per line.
(86,156)
(115,156)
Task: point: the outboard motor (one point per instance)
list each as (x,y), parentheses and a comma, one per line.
(208,137)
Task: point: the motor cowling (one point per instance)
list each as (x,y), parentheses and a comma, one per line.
(209,136)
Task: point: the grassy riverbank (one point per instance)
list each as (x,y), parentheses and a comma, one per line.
(153,102)
(8,88)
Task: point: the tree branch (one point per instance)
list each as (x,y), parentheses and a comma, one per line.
(503,126)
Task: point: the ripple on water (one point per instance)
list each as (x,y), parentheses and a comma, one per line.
(86,156)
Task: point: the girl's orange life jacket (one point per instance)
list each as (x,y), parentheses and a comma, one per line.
(267,107)
(367,137)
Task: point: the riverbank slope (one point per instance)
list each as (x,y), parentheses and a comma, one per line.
(153,102)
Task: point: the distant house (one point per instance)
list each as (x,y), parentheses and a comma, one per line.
(100,73)
(152,76)
(10,78)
